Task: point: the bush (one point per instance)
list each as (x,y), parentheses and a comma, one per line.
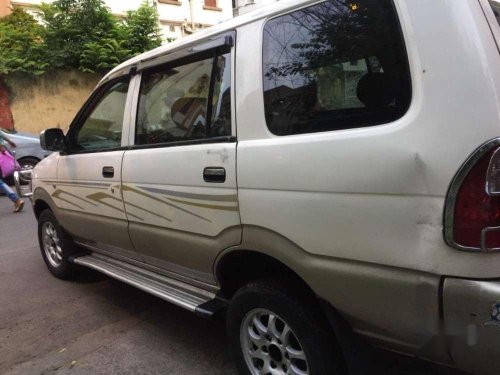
(21,45)
(103,55)
(140,31)
(70,25)
(79,34)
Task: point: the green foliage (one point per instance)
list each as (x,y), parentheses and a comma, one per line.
(140,30)
(103,55)
(78,34)
(21,45)
(71,24)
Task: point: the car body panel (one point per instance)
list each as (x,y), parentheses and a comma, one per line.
(471,313)
(364,294)
(176,218)
(92,205)
(43,189)
(377,194)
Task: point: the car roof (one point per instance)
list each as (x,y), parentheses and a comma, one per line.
(212,31)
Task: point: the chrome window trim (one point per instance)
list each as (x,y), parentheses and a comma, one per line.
(451,197)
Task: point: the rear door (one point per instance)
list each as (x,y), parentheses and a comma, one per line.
(89,175)
(179,178)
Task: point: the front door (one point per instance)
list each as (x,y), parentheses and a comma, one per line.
(179,178)
(89,176)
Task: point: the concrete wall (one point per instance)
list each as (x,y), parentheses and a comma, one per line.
(48,101)
(6,121)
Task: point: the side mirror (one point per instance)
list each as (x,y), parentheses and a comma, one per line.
(53,140)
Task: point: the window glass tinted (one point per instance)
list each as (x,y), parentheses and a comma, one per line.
(175,103)
(495,5)
(334,65)
(102,129)
(221,101)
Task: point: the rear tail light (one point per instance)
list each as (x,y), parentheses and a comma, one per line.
(472,214)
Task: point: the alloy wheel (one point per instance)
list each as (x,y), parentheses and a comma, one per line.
(51,244)
(270,346)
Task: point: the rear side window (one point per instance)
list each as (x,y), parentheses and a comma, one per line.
(334,65)
(185,102)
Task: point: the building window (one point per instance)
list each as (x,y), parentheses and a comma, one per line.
(334,65)
(171,2)
(211,3)
(172,28)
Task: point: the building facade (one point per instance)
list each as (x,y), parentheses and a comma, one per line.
(177,17)
(245,6)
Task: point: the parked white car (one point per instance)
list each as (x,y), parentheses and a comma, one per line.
(324,171)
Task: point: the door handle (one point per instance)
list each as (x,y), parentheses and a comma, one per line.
(108,172)
(214,174)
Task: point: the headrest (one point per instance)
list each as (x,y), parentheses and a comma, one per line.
(376,90)
(189,111)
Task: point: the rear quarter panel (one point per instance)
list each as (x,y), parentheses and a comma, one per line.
(365,206)
(377,194)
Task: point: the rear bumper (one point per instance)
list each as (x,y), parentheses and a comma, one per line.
(472,316)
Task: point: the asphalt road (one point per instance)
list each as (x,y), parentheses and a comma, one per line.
(96,325)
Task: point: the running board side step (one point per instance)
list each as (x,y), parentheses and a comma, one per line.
(192,298)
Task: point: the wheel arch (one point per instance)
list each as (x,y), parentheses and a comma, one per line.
(238,267)
(41,201)
(264,254)
(29,157)
(261,253)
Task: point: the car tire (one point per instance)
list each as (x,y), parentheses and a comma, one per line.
(292,334)
(55,245)
(27,163)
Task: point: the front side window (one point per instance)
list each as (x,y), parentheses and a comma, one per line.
(186,102)
(334,65)
(102,127)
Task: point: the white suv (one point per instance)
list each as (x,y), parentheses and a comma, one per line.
(322,173)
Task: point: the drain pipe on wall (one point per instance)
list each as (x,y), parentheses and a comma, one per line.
(191,14)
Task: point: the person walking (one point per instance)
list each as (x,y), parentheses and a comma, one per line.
(18,202)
